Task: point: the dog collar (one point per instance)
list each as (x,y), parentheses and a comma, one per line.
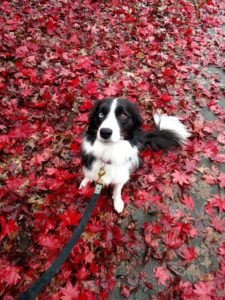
(106,162)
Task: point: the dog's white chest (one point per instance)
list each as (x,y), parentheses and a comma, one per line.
(119,160)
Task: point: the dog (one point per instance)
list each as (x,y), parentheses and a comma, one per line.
(114,138)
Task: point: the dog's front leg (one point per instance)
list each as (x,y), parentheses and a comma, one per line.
(117,200)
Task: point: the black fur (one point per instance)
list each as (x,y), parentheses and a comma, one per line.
(87,159)
(130,122)
(93,120)
(161,140)
(133,121)
(127,126)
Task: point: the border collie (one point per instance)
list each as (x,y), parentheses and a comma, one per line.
(114,137)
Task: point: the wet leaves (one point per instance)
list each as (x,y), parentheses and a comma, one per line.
(57,58)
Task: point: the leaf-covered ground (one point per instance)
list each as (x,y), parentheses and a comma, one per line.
(57,58)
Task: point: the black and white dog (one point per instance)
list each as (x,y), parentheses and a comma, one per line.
(114,138)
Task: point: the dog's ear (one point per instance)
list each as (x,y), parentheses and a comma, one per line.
(136,116)
(93,113)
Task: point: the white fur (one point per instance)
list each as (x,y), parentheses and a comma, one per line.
(118,159)
(173,124)
(117,153)
(117,200)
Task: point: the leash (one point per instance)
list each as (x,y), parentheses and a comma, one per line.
(38,285)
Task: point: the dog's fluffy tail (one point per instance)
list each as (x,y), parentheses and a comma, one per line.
(169,133)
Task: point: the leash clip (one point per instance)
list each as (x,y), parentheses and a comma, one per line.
(99,182)
(101,173)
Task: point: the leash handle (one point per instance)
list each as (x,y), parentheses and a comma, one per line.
(37,287)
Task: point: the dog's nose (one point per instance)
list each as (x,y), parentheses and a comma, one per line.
(105,133)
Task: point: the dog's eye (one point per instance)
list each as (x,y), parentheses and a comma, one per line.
(123,116)
(101,115)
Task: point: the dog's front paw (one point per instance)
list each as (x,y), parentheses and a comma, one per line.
(83,183)
(118,205)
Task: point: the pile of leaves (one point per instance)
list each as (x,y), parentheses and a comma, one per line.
(57,59)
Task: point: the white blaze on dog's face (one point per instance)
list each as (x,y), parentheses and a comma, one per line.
(109,130)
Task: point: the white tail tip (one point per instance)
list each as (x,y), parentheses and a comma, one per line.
(164,122)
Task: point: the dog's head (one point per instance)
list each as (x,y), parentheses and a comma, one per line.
(113,119)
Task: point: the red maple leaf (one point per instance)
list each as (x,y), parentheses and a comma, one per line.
(86,106)
(204,290)
(8,228)
(53,183)
(171,240)
(186,289)
(188,201)
(211,149)
(22,51)
(74,82)
(14,183)
(82,118)
(49,241)
(221,179)
(22,131)
(165,98)
(86,191)
(9,275)
(210,179)
(75,147)
(26,90)
(70,292)
(82,273)
(89,257)
(125,291)
(87,295)
(219,158)
(49,75)
(161,275)
(91,87)
(221,138)
(222,269)
(218,224)
(141,198)
(112,89)
(188,253)
(217,201)
(4,141)
(221,249)
(180,178)
(70,217)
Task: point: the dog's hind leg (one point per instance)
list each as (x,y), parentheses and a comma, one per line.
(117,200)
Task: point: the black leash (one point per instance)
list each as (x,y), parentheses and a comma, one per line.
(37,287)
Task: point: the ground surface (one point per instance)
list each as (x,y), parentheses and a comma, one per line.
(57,58)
